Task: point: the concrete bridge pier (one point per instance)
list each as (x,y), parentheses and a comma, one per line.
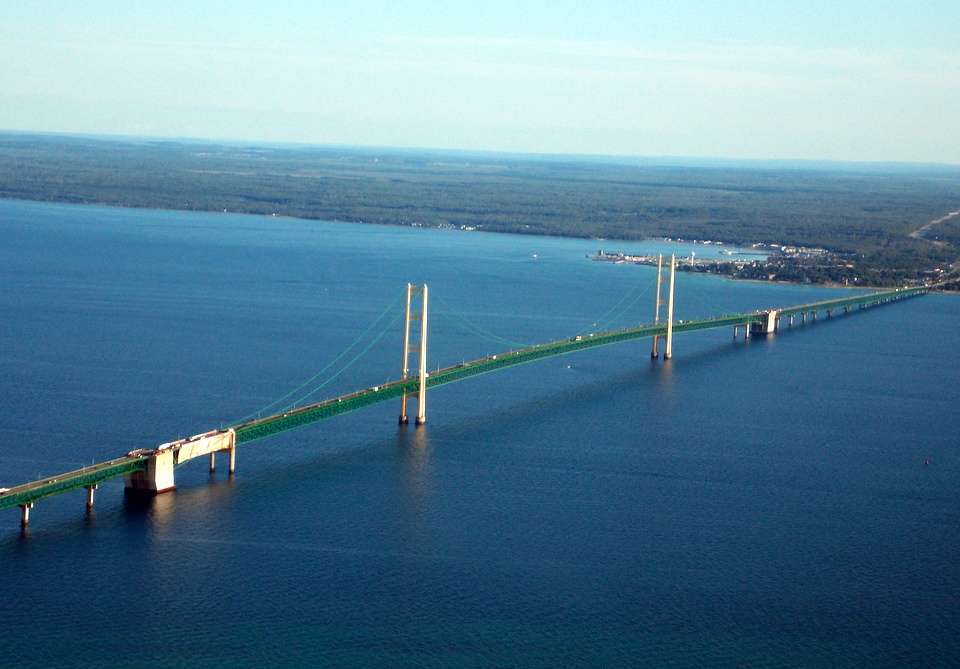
(232,456)
(90,490)
(25,514)
(790,321)
(158,477)
(769,324)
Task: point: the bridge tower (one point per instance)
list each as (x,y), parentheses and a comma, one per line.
(668,351)
(421,347)
(655,353)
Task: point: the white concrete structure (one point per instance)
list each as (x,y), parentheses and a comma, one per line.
(158,478)
(424,293)
(655,353)
(769,323)
(668,351)
(25,514)
(422,396)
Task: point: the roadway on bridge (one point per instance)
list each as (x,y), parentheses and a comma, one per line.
(260,428)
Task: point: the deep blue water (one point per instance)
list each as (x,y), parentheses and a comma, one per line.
(761,504)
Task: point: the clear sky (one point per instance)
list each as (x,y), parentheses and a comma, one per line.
(841,79)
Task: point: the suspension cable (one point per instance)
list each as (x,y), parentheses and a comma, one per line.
(275,404)
(473,327)
(629,306)
(632,295)
(366,349)
(616,305)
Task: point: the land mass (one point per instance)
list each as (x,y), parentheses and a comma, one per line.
(878,224)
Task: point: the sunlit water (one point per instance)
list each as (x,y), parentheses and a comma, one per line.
(788,502)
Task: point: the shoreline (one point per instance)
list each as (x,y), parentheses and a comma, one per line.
(474,230)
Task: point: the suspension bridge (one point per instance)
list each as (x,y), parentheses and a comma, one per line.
(151,470)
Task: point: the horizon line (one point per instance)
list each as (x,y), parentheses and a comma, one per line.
(677,160)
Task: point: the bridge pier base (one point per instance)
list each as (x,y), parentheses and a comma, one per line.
(25,514)
(232,469)
(213,462)
(769,325)
(158,478)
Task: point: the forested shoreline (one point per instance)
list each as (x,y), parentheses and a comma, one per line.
(863,214)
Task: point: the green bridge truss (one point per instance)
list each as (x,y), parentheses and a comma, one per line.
(294,418)
(80,478)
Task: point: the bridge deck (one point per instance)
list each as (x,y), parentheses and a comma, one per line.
(853,301)
(264,427)
(79,478)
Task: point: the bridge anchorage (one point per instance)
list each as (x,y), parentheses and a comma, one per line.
(151,470)
(156,476)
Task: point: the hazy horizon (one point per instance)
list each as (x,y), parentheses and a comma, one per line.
(726,81)
(626,159)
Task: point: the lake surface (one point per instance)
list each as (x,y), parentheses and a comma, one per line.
(762,504)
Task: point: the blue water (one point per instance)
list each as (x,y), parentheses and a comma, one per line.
(762,504)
